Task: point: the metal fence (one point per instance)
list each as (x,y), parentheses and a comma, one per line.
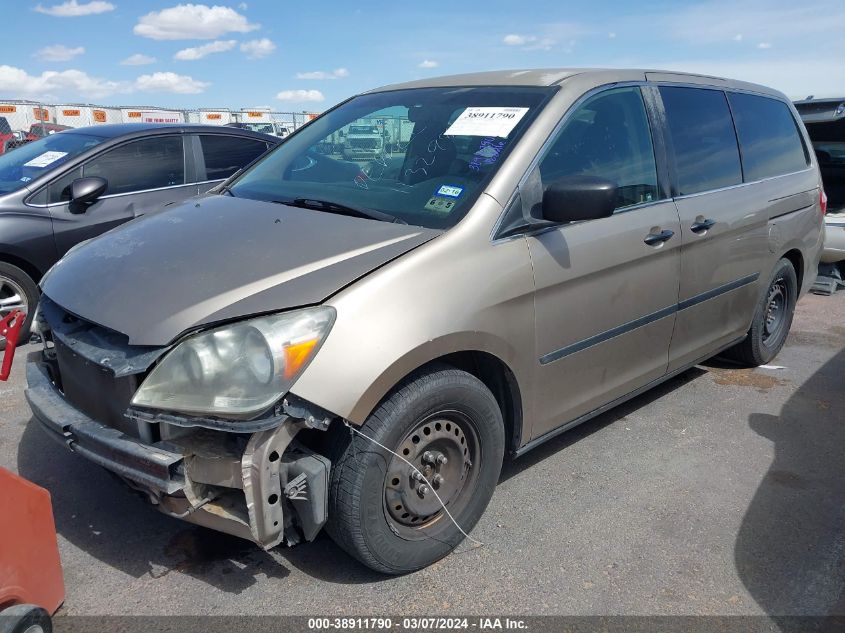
(22,121)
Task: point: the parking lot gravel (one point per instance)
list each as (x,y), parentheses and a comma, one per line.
(720,492)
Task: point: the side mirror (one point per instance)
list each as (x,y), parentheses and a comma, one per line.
(575,198)
(87,190)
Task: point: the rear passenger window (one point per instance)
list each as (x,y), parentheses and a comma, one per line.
(151,163)
(608,137)
(703,138)
(224,155)
(768,137)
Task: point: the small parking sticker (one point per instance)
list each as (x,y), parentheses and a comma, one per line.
(449,191)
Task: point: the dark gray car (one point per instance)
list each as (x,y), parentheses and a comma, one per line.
(66,188)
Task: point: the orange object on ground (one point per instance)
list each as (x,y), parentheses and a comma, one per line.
(30,569)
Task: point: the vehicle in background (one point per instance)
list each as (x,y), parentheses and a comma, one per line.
(7,136)
(825,123)
(281,130)
(320,344)
(276,129)
(362,142)
(40,130)
(263,128)
(66,188)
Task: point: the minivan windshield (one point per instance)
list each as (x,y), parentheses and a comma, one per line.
(31,160)
(420,156)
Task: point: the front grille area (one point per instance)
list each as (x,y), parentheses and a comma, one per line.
(95,368)
(95,390)
(364,143)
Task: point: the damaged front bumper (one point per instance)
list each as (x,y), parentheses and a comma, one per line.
(264,486)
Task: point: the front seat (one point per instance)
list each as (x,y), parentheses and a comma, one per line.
(429,154)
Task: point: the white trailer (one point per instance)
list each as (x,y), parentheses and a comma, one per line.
(253,115)
(151,115)
(75,115)
(213,117)
(20,115)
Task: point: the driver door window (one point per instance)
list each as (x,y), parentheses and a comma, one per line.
(151,163)
(607,137)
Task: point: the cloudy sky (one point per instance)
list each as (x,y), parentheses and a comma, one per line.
(308,56)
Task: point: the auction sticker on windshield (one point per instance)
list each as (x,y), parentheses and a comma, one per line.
(47,158)
(480,121)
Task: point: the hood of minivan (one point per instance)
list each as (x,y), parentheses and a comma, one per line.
(219,258)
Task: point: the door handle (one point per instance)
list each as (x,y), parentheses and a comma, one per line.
(702,226)
(653,239)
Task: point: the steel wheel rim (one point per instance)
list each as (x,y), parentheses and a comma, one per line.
(12,297)
(450,434)
(774,318)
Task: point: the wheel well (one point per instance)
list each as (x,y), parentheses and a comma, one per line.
(499,379)
(24,265)
(797,260)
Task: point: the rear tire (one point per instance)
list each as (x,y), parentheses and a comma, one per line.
(377,512)
(17,290)
(772,319)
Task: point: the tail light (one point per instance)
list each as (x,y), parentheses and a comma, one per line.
(823,201)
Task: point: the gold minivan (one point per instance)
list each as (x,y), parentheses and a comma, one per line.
(357,344)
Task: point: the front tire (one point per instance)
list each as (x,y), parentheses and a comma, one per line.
(449,425)
(772,319)
(17,291)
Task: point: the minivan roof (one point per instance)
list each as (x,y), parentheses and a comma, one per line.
(554,76)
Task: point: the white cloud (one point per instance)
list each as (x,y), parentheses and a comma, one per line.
(764,45)
(300,95)
(198,52)
(67,84)
(138,59)
(170,82)
(428,63)
(192,22)
(515,39)
(256,49)
(57,85)
(243,6)
(529,42)
(611,35)
(72,8)
(59,53)
(755,20)
(338,73)
(738,37)
(796,77)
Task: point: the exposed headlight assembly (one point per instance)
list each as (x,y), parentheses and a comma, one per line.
(237,370)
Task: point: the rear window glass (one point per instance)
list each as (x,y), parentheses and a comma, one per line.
(224,155)
(150,163)
(703,138)
(768,137)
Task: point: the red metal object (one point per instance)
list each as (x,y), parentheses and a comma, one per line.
(30,569)
(10,329)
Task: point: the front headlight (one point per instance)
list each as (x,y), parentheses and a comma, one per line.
(236,370)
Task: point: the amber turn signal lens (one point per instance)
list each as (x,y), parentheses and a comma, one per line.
(296,355)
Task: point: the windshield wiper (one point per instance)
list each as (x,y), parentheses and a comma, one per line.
(341,209)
